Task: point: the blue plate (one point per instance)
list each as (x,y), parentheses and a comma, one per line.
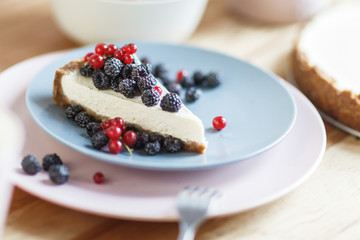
(259,109)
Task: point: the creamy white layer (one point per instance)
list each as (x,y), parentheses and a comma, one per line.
(108,103)
(331,42)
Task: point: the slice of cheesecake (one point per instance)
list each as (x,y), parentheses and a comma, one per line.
(326,62)
(71,87)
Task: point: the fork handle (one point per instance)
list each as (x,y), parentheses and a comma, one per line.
(186,232)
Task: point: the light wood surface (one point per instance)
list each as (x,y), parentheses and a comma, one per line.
(326,206)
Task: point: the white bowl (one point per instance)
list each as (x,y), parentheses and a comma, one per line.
(93,21)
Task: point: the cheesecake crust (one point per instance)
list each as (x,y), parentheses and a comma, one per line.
(61,100)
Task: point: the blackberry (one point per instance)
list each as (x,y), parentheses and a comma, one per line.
(187,82)
(99,140)
(160,70)
(92,128)
(172,144)
(146,82)
(153,137)
(164,80)
(198,78)
(145,60)
(30,165)
(150,97)
(138,71)
(192,94)
(131,128)
(174,87)
(152,148)
(142,139)
(82,119)
(114,83)
(128,88)
(171,102)
(112,67)
(86,70)
(59,173)
(100,79)
(49,160)
(126,71)
(72,111)
(147,67)
(211,80)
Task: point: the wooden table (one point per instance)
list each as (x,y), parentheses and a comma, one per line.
(326,206)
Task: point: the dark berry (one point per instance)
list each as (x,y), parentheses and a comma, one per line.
(186,82)
(30,165)
(174,87)
(114,83)
(99,140)
(160,70)
(211,80)
(147,67)
(152,148)
(86,70)
(82,119)
(49,160)
(171,102)
(126,71)
(156,138)
(112,67)
(101,80)
(192,94)
(59,173)
(139,71)
(146,82)
(145,60)
(198,78)
(150,97)
(72,111)
(172,144)
(92,128)
(128,88)
(142,139)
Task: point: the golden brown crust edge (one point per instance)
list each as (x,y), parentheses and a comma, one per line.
(343,106)
(61,100)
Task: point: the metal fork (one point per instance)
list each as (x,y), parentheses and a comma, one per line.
(193,204)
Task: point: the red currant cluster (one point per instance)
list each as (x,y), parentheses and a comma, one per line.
(115,130)
(125,54)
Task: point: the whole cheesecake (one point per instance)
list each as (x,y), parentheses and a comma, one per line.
(326,63)
(71,87)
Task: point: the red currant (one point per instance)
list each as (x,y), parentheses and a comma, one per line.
(101,49)
(113,132)
(219,122)
(87,56)
(157,88)
(96,61)
(111,49)
(131,48)
(130,138)
(128,58)
(180,75)
(119,122)
(105,124)
(119,54)
(115,146)
(99,178)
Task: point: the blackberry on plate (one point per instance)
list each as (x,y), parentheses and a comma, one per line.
(198,78)
(82,119)
(171,102)
(186,82)
(101,80)
(146,82)
(211,80)
(126,70)
(112,67)
(152,148)
(153,137)
(99,140)
(150,97)
(138,71)
(160,70)
(86,70)
(128,88)
(49,160)
(72,111)
(30,165)
(192,94)
(174,87)
(142,139)
(92,128)
(172,144)
(59,173)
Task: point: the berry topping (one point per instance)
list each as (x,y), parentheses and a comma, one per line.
(187,82)
(101,49)
(92,128)
(72,111)
(113,132)
(101,80)
(211,80)
(114,83)
(174,87)
(86,70)
(158,89)
(105,124)
(99,178)
(96,61)
(119,54)
(146,82)
(82,119)
(130,48)
(138,71)
(99,140)
(59,173)
(30,165)
(142,139)
(128,88)
(112,67)
(171,102)
(192,94)
(160,70)
(180,75)
(119,122)
(115,146)
(49,160)
(198,78)
(150,97)
(127,70)
(111,49)
(152,148)
(172,144)
(128,58)
(129,138)
(156,138)
(219,122)
(87,56)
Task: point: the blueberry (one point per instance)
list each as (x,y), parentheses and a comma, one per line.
(59,173)
(30,165)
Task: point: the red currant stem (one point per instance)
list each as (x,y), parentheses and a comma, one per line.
(130,150)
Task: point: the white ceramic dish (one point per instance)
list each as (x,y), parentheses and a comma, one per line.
(93,21)
(150,195)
